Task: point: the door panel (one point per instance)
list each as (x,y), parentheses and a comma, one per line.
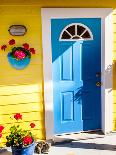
(77,100)
(66,65)
(67,101)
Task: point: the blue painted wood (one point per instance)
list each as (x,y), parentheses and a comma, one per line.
(77,99)
(67,101)
(67,70)
(18,64)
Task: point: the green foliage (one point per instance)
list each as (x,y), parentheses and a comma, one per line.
(15,138)
(14,49)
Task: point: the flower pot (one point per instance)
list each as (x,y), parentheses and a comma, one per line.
(18,64)
(27,150)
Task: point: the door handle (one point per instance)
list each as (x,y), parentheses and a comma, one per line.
(98,84)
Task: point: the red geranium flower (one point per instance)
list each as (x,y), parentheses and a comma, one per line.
(18,116)
(27,140)
(1,128)
(32,50)
(32,125)
(11,42)
(19,55)
(3,47)
(26,46)
(0,135)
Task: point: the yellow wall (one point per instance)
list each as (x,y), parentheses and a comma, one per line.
(114,69)
(22,90)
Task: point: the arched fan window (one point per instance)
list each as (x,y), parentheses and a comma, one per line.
(76,31)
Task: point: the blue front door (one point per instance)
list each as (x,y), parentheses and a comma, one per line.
(76,75)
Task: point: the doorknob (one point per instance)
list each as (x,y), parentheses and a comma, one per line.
(98,84)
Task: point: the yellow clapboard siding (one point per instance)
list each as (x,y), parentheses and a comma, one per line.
(31,116)
(30,70)
(114,116)
(114,107)
(114,71)
(114,127)
(21,79)
(114,37)
(114,55)
(24,125)
(114,18)
(20,89)
(114,93)
(21,98)
(21,108)
(114,46)
(114,28)
(114,98)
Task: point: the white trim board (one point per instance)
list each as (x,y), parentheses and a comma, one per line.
(106,60)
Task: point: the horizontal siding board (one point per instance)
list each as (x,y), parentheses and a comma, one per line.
(31,71)
(28,117)
(22,79)
(114,116)
(20,108)
(20,89)
(21,98)
(24,125)
(114,37)
(114,28)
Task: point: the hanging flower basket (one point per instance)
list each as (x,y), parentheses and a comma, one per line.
(18,64)
(19,57)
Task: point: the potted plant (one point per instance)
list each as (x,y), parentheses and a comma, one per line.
(19,56)
(21,141)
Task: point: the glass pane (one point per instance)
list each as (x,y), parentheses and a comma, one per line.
(80,30)
(71,30)
(86,35)
(65,35)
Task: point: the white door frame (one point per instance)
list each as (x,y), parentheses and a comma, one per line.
(106,60)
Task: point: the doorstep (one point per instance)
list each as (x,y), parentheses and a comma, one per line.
(64,138)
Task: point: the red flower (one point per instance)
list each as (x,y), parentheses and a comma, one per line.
(3,47)
(32,50)
(19,55)
(27,140)
(11,42)
(18,116)
(32,125)
(1,128)
(0,135)
(26,46)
